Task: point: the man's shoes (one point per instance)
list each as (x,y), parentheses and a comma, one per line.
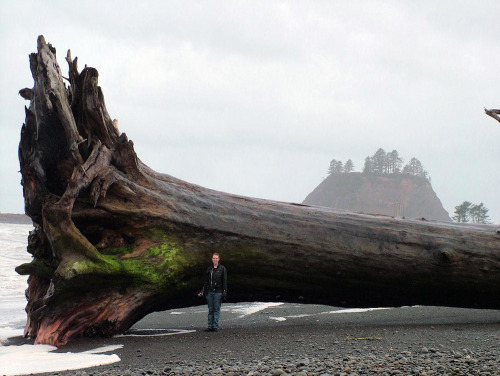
(211,329)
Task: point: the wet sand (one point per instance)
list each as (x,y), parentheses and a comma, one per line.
(305,340)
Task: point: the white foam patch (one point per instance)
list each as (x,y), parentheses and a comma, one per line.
(303,315)
(278,318)
(177,313)
(102,349)
(357,310)
(249,309)
(32,359)
(347,310)
(154,332)
(7,332)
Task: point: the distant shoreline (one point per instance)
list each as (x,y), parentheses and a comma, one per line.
(21,219)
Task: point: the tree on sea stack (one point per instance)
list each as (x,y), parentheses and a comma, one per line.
(115,240)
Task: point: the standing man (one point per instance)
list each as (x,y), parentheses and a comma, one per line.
(215,289)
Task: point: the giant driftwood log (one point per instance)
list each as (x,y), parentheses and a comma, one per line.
(115,240)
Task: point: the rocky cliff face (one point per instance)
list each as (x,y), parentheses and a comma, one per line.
(394,195)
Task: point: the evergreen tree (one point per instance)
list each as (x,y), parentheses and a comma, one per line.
(368,169)
(394,162)
(462,212)
(348,166)
(479,214)
(379,162)
(414,167)
(335,167)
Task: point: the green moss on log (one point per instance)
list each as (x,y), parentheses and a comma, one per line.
(159,267)
(118,251)
(39,268)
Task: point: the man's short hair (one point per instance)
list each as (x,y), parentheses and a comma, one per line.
(216,254)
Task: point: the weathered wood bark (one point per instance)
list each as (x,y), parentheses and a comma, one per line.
(493,113)
(115,240)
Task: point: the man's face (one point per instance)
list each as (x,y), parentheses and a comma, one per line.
(215,259)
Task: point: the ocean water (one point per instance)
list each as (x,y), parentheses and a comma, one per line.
(13,242)
(27,359)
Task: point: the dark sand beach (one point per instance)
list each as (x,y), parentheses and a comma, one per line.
(305,340)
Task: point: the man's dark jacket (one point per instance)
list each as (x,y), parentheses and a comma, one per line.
(216,280)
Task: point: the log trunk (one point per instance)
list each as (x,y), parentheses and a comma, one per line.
(115,240)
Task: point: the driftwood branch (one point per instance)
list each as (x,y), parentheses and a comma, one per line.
(115,240)
(493,113)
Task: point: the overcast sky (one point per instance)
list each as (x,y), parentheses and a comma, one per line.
(256,97)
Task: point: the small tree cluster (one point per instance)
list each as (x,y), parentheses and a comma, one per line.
(469,212)
(381,163)
(391,163)
(414,167)
(337,167)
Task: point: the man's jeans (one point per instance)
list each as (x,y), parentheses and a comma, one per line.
(214,301)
